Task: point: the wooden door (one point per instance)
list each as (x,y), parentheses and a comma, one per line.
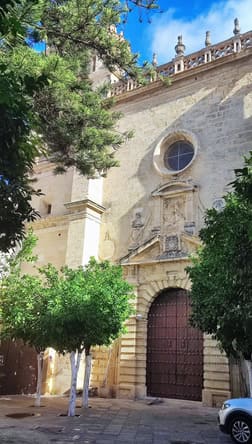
(18,368)
(174,349)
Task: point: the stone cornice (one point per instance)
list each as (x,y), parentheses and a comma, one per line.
(78,210)
(84,204)
(50,222)
(43,165)
(173,188)
(156,261)
(158,85)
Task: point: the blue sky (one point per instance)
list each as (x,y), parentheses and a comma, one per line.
(191,18)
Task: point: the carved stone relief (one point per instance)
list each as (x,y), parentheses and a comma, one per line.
(173,214)
(108,247)
(219,204)
(170,230)
(138,221)
(179,214)
(137,227)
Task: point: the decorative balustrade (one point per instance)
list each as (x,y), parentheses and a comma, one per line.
(236,44)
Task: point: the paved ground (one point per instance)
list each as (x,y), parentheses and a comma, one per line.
(109,421)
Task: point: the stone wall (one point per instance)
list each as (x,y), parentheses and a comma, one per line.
(214,105)
(149,217)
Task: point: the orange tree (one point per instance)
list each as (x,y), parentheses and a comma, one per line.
(70,310)
(89,307)
(24,303)
(221,273)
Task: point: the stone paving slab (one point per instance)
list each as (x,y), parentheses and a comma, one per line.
(109,421)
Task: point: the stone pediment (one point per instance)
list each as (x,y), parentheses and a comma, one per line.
(163,248)
(174,187)
(147,250)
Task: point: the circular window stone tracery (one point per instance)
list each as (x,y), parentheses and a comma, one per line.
(178,155)
(174,153)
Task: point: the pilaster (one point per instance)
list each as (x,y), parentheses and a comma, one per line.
(216,387)
(84,230)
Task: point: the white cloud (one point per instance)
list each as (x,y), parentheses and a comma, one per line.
(219,20)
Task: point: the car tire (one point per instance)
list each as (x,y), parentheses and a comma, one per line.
(240,430)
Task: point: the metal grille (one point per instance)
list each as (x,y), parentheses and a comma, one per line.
(174,349)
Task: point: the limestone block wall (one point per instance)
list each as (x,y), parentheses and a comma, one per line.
(151,280)
(214,105)
(68,233)
(104,376)
(51,244)
(105,369)
(56,190)
(216,374)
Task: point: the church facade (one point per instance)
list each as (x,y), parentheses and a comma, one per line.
(146,214)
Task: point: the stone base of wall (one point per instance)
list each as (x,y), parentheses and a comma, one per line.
(210,398)
(126,391)
(140,391)
(108,391)
(214,398)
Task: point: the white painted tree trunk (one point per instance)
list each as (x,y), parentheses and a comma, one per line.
(75,364)
(249,369)
(40,359)
(88,365)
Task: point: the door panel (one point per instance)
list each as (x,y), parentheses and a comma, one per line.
(18,368)
(174,349)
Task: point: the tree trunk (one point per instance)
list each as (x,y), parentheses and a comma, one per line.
(88,365)
(75,363)
(249,369)
(40,358)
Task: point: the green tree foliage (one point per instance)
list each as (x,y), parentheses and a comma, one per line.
(69,310)
(243,182)
(24,306)
(47,103)
(19,294)
(221,274)
(19,144)
(90,307)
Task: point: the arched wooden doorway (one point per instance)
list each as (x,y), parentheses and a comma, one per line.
(174,349)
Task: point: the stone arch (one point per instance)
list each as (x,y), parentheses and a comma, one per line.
(148,292)
(132,372)
(133,345)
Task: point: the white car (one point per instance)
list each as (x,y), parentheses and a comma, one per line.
(235,418)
